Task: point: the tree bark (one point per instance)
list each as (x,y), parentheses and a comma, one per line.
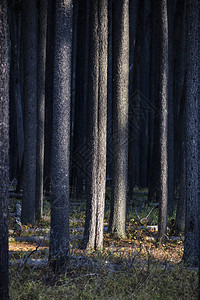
(49,94)
(181,206)
(41,64)
(16,112)
(97,99)
(79,128)
(191,244)
(120,117)
(134,62)
(59,233)
(153,155)
(144,94)
(163,88)
(29,23)
(170,179)
(4,146)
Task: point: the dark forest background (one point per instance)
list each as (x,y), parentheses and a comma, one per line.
(103,101)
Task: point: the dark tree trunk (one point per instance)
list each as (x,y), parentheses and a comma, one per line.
(16,113)
(153,154)
(181,206)
(163,87)
(97,100)
(191,244)
(49,93)
(4,145)
(59,234)
(144,94)
(134,60)
(29,23)
(42,23)
(79,130)
(120,117)
(133,17)
(179,44)
(179,92)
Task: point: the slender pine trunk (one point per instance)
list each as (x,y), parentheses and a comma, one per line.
(4,146)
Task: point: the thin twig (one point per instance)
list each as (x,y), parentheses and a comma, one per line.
(76,278)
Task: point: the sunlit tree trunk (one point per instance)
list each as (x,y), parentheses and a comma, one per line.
(120,117)
(42,18)
(97,105)
(4,145)
(170,178)
(163,88)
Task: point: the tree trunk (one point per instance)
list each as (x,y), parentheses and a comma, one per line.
(134,62)
(163,86)
(170,179)
(49,94)
(97,96)
(120,117)
(16,113)
(179,50)
(59,234)
(29,23)
(191,244)
(153,155)
(144,94)
(181,207)
(109,100)
(4,146)
(40,107)
(79,130)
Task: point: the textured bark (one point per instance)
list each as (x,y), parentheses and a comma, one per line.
(42,25)
(4,145)
(93,74)
(29,23)
(49,93)
(97,100)
(179,44)
(163,88)
(191,244)
(120,117)
(79,130)
(133,17)
(170,179)
(144,93)
(59,234)
(134,61)
(102,120)
(109,100)
(16,114)
(181,206)
(153,155)
(179,93)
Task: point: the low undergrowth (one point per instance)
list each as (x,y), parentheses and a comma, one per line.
(92,281)
(133,268)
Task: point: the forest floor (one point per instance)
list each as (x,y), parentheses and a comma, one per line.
(133,268)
